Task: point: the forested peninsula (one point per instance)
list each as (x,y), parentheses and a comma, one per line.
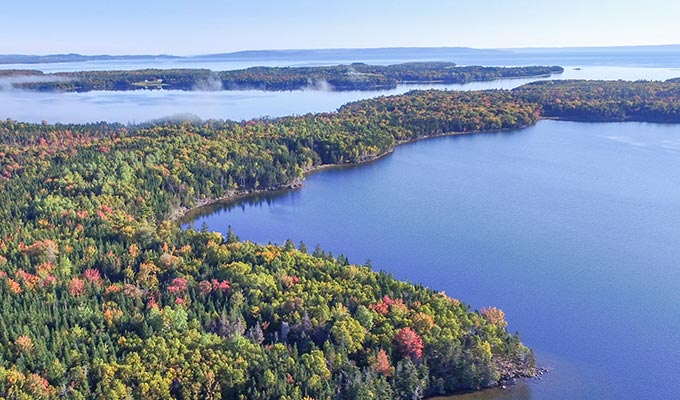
(356,76)
(103,296)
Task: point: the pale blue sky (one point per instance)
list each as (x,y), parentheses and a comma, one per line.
(211,26)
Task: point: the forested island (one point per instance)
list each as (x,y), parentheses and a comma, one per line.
(356,76)
(103,296)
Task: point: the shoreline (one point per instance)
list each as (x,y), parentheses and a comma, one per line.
(503,385)
(180,214)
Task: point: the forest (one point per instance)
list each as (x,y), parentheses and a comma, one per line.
(356,76)
(103,296)
(614,101)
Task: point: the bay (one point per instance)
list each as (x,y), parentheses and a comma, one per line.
(571,228)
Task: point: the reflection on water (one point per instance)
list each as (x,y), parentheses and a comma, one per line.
(520,391)
(255,200)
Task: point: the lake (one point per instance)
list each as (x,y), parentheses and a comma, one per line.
(573,229)
(145,105)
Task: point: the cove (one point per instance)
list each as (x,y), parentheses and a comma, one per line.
(571,228)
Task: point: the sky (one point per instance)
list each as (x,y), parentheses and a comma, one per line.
(190,27)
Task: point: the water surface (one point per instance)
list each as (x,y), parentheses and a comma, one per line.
(571,228)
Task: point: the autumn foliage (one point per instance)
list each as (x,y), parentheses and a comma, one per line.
(495,316)
(76,287)
(382,364)
(409,343)
(121,303)
(24,343)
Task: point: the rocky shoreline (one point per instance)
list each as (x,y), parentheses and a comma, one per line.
(503,384)
(506,383)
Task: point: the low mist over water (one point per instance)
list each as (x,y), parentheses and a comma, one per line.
(145,105)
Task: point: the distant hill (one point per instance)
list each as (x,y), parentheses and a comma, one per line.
(302,54)
(72,57)
(357,53)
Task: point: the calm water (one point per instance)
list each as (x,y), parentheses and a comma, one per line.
(571,228)
(145,105)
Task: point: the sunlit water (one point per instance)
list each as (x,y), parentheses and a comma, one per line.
(571,228)
(145,105)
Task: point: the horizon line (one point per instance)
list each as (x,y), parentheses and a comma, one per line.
(346,49)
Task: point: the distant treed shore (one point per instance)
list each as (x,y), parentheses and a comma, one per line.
(340,77)
(103,296)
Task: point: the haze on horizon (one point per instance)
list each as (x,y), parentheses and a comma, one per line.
(210,26)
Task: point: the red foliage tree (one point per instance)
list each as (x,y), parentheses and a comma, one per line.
(30,280)
(380,307)
(222,286)
(93,276)
(388,300)
(76,287)
(382,364)
(410,344)
(178,285)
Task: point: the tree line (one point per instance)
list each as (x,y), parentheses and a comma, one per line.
(356,76)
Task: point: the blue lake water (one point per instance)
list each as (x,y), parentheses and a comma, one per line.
(571,228)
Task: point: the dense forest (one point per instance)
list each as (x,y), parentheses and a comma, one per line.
(103,296)
(341,77)
(598,101)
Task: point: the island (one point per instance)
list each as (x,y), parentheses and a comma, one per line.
(355,76)
(104,296)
